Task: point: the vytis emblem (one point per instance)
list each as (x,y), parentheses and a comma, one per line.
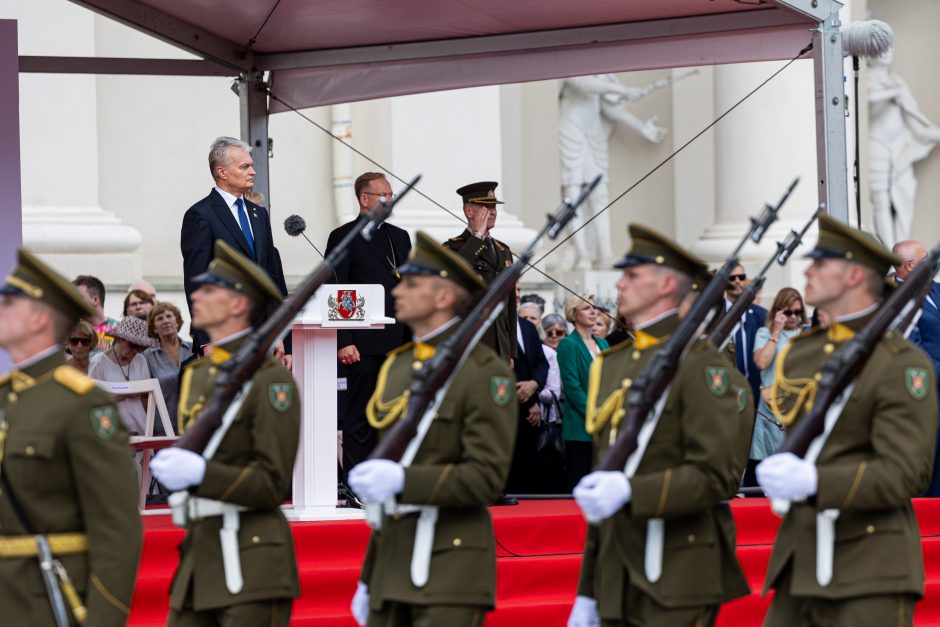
(347,305)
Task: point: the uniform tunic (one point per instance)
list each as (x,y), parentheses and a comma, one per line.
(693,462)
(253,466)
(67,460)
(501,336)
(877,457)
(461,466)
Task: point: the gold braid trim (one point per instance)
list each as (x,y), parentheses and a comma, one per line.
(391,410)
(186,415)
(611,409)
(804,389)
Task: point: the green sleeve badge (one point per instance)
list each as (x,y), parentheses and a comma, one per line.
(281,396)
(501,389)
(716,378)
(741,399)
(104,421)
(915,379)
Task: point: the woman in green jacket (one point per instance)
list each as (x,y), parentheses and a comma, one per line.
(575,354)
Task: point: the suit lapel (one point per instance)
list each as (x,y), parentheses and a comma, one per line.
(224,214)
(258,227)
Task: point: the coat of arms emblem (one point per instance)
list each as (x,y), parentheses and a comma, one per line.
(347,305)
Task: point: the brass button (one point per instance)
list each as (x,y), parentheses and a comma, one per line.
(828,348)
(626,383)
(30,450)
(636,355)
(11,397)
(818,376)
(416,365)
(213,370)
(691,538)
(870,529)
(457,541)
(255,540)
(660,259)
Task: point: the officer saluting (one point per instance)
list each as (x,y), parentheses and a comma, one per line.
(67,473)
(237,564)
(664,551)
(877,456)
(488,257)
(417,572)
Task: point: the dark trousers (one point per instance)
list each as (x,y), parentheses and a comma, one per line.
(523,473)
(394,614)
(359,438)
(274,613)
(579,459)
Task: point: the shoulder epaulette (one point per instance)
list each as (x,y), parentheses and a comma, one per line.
(73,379)
(627,343)
(457,240)
(805,334)
(895,342)
(400,349)
(500,244)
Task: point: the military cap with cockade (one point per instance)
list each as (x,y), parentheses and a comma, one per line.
(429,258)
(649,246)
(840,241)
(34,279)
(234,271)
(482,193)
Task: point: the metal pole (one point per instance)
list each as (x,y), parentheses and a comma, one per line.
(253,111)
(831,163)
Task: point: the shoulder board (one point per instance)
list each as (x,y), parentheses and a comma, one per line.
(895,342)
(500,245)
(457,240)
(483,354)
(627,343)
(73,379)
(702,344)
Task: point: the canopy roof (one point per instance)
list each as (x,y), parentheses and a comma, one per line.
(328,51)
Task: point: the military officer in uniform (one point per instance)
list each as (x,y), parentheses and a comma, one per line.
(488,257)
(662,550)
(67,471)
(253,579)
(417,572)
(877,456)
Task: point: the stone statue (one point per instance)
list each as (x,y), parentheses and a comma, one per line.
(899,136)
(589,109)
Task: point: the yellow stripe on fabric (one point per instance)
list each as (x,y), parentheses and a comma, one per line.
(667,477)
(110,598)
(231,489)
(855,483)
(439,483)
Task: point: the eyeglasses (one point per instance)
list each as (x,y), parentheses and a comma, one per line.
(80,341)
(737,277)
(388,195)
(792,312)
(555,333)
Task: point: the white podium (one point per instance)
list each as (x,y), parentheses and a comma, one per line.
(333,307)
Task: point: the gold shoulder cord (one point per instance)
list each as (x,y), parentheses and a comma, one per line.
(804,389)
(392,409)
(186,415)
(611,409)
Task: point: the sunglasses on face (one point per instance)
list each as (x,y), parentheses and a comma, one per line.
(737,277)
(555,333)
(792,312)
(80,341)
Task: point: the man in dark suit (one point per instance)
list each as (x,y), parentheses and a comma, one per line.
(753,319)
(531,370)
(227,215)
(363,351)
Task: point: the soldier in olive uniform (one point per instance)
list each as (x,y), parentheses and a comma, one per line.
(488,257)
(248,476)
(662,553)
(67,470)
(877,456)
(459,468)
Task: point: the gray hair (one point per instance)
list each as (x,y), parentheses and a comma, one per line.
(218,153)
(552,319)
(530,305)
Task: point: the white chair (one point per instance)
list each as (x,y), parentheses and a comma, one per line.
(146,443)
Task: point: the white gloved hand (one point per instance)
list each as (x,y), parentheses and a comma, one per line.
(584,613)
(360,604)
(377,480)
(601,494)
(786,476)
(178,469)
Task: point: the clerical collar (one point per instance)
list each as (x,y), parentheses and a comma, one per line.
(858,314)
(658,318)
(29,361)
(438,330)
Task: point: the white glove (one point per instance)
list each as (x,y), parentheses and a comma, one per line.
(377,480)
(602,493)
(584,613)
(177,468)
(786,476)
(360,604)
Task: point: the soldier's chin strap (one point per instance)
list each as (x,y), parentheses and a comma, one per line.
(186,507)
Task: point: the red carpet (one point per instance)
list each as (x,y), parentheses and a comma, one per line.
(539,547)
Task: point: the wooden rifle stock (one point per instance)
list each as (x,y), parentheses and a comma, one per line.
(433,376)
(847,362)
(240,367)
(652,384)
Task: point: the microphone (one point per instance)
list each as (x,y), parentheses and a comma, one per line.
(867,38)
(295,225)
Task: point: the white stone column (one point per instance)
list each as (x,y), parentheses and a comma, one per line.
(758,149)
(344,196)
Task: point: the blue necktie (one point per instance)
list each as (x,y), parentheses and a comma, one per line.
(246,228)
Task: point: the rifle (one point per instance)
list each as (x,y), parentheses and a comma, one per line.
(847,362)
(653,383)
(238,369)
(723,330)
(429,384)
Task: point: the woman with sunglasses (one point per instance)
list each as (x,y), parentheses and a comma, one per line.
(785,320)
(81,340)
